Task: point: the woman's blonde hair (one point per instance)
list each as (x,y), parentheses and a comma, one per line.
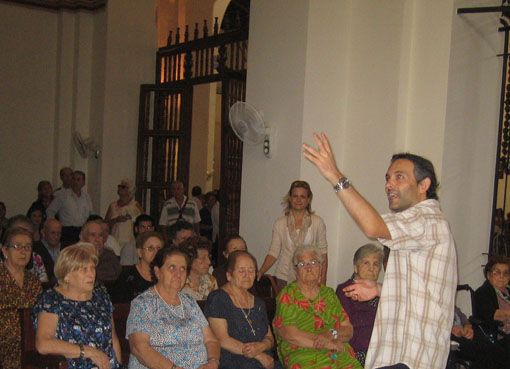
(74,257)
(298,184)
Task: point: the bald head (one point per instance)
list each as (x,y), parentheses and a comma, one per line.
(52,231)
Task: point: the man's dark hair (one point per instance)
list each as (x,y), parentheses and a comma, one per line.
(139,219)
(423,168)
(196,191)
(177,227)
(143,218)
(93,217)
(79,172)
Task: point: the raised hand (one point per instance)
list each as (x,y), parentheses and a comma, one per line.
(323,158)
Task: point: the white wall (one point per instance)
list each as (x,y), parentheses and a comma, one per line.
(470,136)
(275,85)
(378,79)
(27,102)
(71,70)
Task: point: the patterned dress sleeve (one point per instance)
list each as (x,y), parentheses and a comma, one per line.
(137,321)
(196,313)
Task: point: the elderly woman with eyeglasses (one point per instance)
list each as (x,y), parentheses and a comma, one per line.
(137,278)
(165,327)
(311,327)
(298,226)
(122,213)
(367,261)
(492,299)
(18,289)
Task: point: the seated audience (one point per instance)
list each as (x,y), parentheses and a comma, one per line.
(367,263)
(492,299)
(18,289)
(129,253)
(36,264)
(165,327)
(199,282)
(37,216)
(74,319)
(239,319)
(233,243)
(475,347)
(179,232)
(49,246)
(108,266)
(122,212)
(135,279)
(311,327)
(44,196)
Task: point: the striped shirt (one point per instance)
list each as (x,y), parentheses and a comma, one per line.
(415,314)
(172,212)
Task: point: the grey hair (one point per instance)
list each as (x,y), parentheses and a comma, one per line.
(366,250)
(300,250)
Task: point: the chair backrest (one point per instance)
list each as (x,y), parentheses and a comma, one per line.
(120,315)
(266,286)
(30,358)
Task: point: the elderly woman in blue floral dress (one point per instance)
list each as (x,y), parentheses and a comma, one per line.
(74,319)
(166,327)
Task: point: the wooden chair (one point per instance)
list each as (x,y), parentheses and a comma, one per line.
(120,315)
(30,358)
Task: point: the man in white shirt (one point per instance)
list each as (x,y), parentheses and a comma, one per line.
(73,206)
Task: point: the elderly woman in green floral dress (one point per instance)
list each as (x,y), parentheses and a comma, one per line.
(311,327)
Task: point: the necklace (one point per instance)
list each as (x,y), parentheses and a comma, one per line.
(174,308)
(246,315)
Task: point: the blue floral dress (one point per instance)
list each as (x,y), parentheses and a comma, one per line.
(87,322)
(174,331)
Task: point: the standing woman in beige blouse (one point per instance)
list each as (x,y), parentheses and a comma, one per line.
(299,226)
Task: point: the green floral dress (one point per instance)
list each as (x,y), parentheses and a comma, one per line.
(314,316)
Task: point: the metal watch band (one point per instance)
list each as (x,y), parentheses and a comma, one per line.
(342,184)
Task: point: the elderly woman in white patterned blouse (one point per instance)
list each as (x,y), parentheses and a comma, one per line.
(166,327)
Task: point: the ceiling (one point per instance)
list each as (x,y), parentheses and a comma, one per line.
(63,4)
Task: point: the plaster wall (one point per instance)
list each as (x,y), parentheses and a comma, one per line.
(399,76)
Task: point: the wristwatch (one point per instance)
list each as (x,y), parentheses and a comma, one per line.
(342,184)
(334,333)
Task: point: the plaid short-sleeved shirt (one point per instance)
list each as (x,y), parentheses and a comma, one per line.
(415,313)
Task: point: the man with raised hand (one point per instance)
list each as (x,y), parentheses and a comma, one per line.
(415,313)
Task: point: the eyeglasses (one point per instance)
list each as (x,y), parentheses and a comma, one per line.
(312,263)
(499,273)
(17,246)
(122,186)
(152,248)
